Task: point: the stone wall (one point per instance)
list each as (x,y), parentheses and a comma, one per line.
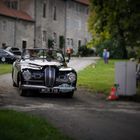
(14,31)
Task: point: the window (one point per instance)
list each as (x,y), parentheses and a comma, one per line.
(72,42)
(55,37)
(44,10)
(44,36)
(79,43)
(54,13)
(12,4)
(24,44)
(68,41)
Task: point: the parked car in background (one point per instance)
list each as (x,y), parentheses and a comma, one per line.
(6,56)
(45,71)
(16,51)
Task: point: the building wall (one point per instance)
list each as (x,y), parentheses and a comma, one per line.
(76,24)
(56,26)
(14,31)
(48,24)
(25,32)
(7,31)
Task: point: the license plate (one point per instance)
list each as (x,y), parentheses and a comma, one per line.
(50,90)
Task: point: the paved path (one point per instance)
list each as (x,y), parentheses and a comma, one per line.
(79,63)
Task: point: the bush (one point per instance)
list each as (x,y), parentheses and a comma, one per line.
(114,47)
(84,51)
(50,43)
(132,54)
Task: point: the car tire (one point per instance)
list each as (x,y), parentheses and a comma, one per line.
(22,92)
(14,84)
(3,59)
(70,94)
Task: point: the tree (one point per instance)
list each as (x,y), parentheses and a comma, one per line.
(117,20)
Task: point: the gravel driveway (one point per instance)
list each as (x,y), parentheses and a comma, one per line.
(84,117)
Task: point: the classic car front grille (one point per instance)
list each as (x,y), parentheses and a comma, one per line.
(34,82)
(50,76)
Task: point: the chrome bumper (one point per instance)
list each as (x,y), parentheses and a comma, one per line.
(44,89)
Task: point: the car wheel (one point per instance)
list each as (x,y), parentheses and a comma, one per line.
(22,92)
(3,59)
(70,94)
(14,84)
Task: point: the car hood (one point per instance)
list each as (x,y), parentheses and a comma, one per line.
(39,64)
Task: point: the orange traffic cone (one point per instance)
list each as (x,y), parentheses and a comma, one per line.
(112,95)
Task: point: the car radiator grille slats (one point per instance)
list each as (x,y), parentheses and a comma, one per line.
(50,76)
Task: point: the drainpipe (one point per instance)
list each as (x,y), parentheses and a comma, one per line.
(15,26)
(35,4)
(15,32)
(65,32)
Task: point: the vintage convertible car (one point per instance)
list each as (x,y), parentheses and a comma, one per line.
(44,71)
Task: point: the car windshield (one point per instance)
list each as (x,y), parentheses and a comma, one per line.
(47,54)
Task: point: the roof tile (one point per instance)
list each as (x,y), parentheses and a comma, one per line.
(83,1)
(13,13)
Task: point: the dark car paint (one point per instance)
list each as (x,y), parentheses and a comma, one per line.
(6,56)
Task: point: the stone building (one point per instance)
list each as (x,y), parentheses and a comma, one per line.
(76,23)
(16,27)
(36,22)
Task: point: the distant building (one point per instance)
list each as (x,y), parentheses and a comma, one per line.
(16,26)
(32,23)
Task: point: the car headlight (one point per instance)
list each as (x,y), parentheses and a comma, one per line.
(27,75)
(72,77)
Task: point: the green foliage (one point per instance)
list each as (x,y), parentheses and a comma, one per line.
(116,20)
(116,51)
(132,53)
(138,53)
(20,126)
(5,68)
(50,43)
(84,51)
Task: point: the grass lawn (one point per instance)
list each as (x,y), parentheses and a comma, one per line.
(5,68)
(100,78)
(20,126)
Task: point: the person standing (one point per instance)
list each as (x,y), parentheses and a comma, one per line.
(106,55)
(69,51)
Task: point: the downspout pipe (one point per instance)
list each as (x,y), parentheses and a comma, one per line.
(65,32)
(35,4)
